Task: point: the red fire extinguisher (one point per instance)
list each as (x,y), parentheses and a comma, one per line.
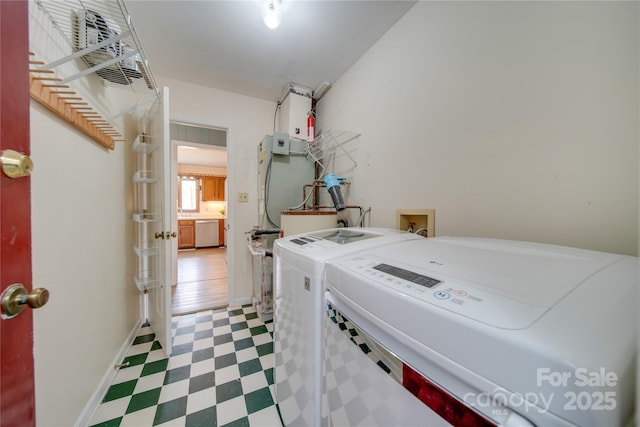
(311,127)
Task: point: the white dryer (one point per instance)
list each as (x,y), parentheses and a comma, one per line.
(482,332)
(299,263)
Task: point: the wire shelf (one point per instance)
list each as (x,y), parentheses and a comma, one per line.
(144,217)
(321,149)
(145,177)
(143,144)
(99,34)
(145,250)
(145,283)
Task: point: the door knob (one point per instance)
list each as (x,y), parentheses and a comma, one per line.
(169,234)
(159,235)
(15,165)
(15,298)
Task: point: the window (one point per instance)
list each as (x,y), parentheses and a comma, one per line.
(188,200)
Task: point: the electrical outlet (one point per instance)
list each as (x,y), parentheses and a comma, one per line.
(243,197)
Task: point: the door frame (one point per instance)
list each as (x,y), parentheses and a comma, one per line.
(230,210)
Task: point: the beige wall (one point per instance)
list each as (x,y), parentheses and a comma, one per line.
(514,120)
(82,251)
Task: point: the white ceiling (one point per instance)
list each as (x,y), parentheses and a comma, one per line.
(225,44)
(191,155)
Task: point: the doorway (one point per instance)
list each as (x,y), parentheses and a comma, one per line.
(200,281)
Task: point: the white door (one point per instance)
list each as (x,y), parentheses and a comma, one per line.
(159,296)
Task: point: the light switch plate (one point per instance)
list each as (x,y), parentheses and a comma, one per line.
(243,197)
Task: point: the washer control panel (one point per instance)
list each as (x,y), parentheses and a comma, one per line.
(303,240)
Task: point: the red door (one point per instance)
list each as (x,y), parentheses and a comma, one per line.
(17,403)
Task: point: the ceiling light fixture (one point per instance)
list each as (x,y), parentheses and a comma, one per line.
(272,13)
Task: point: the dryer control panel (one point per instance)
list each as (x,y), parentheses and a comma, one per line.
(410,276)
(370,274)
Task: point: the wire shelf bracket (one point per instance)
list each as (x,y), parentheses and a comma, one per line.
(325,145)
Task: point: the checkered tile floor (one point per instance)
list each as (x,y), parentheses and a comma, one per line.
(220,373)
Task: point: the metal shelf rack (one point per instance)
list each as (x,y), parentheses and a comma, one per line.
(76,44)
(325,145)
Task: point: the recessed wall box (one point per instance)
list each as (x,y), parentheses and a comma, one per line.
(422,221)
(281,143)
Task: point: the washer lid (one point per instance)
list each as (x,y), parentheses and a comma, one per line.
(310,251)
(505,284)
(345,236)
(531,273)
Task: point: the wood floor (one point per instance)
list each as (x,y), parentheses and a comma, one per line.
(202,281)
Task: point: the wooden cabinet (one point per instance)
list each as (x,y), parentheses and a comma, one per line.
(186,234)
(213,188)
(207,188)
(221,232)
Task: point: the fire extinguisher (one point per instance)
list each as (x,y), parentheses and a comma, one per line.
(311,127)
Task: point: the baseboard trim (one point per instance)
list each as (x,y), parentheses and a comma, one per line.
(94,401)
(239,302)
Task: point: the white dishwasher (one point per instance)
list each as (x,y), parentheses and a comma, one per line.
(207,233)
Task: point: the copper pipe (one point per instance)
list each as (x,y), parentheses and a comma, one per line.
(317,183)
(333,207)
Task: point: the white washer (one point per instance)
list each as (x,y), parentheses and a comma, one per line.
(517,333)
(299,263)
